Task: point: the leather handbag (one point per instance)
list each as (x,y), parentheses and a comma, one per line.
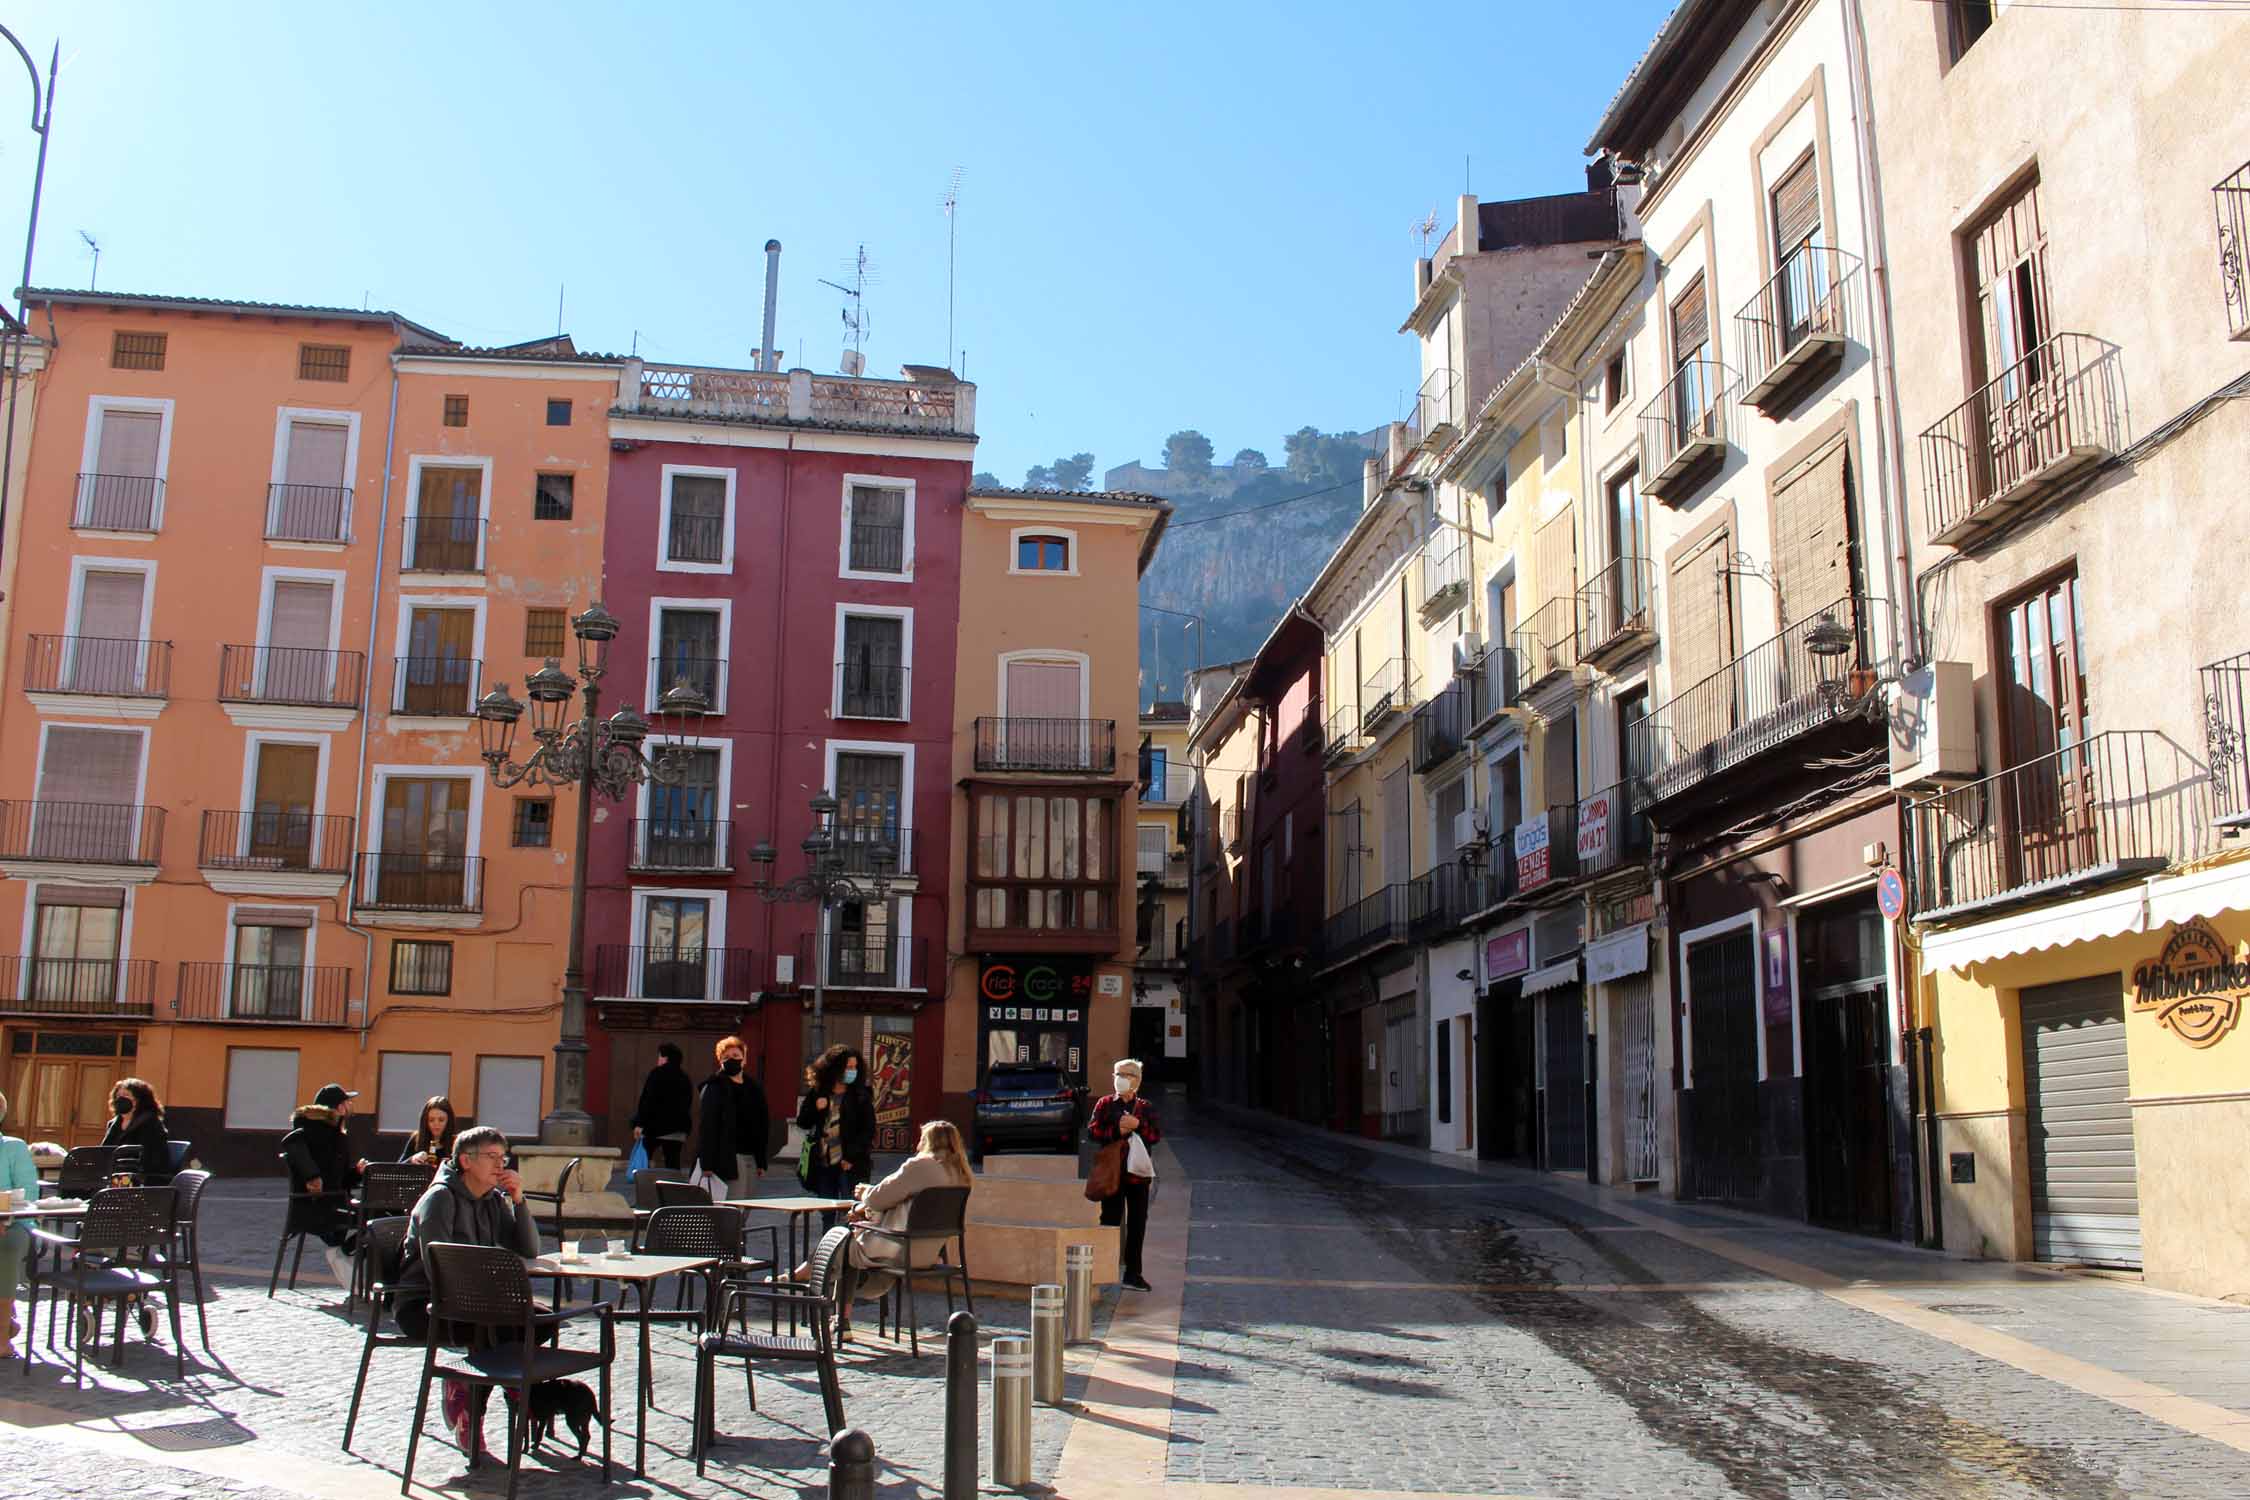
(1107,1175)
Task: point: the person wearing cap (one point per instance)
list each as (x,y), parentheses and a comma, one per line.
(322,1174)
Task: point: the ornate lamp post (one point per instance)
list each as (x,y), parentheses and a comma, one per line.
(592,754)
(828,882)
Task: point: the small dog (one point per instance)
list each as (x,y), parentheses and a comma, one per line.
(571,1400)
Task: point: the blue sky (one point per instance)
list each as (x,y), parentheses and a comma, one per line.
(1170,215)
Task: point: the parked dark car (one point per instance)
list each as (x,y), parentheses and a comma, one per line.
(1030,1106)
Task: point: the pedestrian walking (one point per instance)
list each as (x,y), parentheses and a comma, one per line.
(19,1176)
(431,1144)
(138,1120)
(666,1113)
(838,1118)
(1123,1116)
(731,1125)
(322,1174)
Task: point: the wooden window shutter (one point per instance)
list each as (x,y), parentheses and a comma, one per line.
(109,606)
(1691,323)
(90,765)
(1812,536)
(1699,602)
(1796,207)
(1555,556)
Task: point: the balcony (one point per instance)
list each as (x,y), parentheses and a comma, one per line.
(2116,806)
(1165,785)
(870,690)
(1547,642)
(276,841)
(706,674)
(721,976)
(82,833)
(291,676)
(682,846)
(1793,333)
(1441,726)
(119,502)
(1458,890)
(1544,850)
(309,513)
(1611,833)
(865,961)
(873,848)
(2048,418)
(1230,829)
(78,988)
(415,881)
(1683,431)
(1437,410)
(1344,735)
(265,994)
(1502,670)
(933,403)
(1764,698)
(1164,948)
(441,544)
(98,666)
(1386,917)
(1445,573)
(436,687)
(1617,613)
(2226,738)
(2232,200)
(1388,690)
(1074,746)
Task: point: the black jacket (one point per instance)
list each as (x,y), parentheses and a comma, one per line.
(317,1147)
(858,1134)
(667,1104)
(733,1125)
(148,1133)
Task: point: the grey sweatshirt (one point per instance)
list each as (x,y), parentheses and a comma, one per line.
(449,1214)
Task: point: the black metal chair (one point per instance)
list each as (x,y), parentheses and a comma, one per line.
(817,1297)
(294,1227)
(644,1194)
(383,1246)
(176,1158)
(682,1195)
(187,1239)
(485,1293)
(933,1216)
(86,1170)
(123,1250)
(554,1200)
(386,1189)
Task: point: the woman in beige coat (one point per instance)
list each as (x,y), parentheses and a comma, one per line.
(941,1161)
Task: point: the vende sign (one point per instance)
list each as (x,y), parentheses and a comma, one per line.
(1534,867)
(1593,829)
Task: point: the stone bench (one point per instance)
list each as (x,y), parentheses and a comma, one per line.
(1024,1212)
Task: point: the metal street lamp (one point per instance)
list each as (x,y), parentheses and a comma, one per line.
(592,754)
(829,881)
(42,119)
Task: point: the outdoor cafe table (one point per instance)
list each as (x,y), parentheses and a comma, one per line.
(642,1273)
(799,1209)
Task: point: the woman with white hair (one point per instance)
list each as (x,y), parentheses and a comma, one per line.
(1124,1116)
(17,1172)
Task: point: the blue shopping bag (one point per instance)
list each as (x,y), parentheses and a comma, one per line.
(637,1161)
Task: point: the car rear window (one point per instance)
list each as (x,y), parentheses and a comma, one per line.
(1027,1081)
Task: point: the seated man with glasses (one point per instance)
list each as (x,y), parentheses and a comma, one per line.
(476,1199)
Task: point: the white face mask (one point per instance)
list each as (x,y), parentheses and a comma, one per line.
(1123,1085)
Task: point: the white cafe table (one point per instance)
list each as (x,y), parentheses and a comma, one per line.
(642,1273)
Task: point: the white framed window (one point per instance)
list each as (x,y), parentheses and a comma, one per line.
(689,638)
(869,944)
(695,520)
(510,1095)
(434,815)
(874,676)
(122,467)
(301,609)
(685,824)
(105,646)
(261,1087)
(438,662)
(877,540)
(679,938)
(449,508)
(874,800)
(1039,684)
(315,466)
(1050,551)
(406,1079)
(90,786)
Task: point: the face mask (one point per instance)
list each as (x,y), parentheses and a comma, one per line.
(1121,1083)
(122,1106)
(731,1066)
(851,1075)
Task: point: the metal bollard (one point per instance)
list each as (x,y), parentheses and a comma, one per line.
(851,1466)
(1047,1344)
(1078,1294)
(1011,1412)
(961,1407)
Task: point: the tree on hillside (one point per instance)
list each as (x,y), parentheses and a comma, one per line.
(1039,477)
(1250,461)
(1316,457)
(985,479)
(1074,472)
(1188,452)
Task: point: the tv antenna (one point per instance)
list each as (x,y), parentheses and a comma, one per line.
(854,310)
(94,246)
(1425,229)
(952,210)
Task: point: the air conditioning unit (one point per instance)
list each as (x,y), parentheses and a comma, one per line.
(1934,740)
(1465,829)
(1467,647)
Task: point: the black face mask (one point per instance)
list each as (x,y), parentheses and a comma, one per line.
(731,1066)
(122,1106)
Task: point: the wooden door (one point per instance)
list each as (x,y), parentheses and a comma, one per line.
(314,495)
(447,520)
(425,839)
(59,1089)
(107,654)
(281,817)
(298,666)
(2047,799)
(440,662)
(2019,412)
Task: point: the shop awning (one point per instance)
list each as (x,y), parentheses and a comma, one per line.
(2148,906)
(1552,977)
(1621,955)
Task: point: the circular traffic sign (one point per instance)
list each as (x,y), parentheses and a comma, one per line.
(1890,894)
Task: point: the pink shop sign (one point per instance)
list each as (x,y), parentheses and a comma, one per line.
(1509,953)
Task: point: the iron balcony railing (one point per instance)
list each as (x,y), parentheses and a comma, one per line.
(872,848)
(1617,608)
(1445,569)
(1437,405)
(2049,415)
(1767,696)
(870,690)
(2118,804)
(1164,784)
(414,880)
(288,994)
(80,988)
(93,833)
(715,975)
(696,539)
(683,845)
(2231,198)
(1502,669)
(276,839)
(437,687)
(1610,833)
(1085,746)
(308,513)
(1458,890)
(107,666)
(1155,864)
(1547,640)
(877,548)
(1230,829)
(865,961)
(119,502)
(1813,303)
(441,544)
(2226,737)
(1165,944)
(1684,427)
(1344,733)
(297,676)
(706,674)
(1441,726)
(1542,850)
(1387,916)
(1387,690)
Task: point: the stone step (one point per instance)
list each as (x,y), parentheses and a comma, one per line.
(1017,1254)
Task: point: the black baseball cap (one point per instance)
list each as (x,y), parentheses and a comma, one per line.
(333,1094)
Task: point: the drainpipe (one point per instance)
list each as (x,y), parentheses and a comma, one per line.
(367,711)
(779,740)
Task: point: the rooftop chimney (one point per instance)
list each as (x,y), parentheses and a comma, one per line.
(769,358)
